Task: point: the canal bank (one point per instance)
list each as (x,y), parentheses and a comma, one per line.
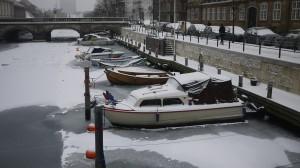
(283,105)
(284,72)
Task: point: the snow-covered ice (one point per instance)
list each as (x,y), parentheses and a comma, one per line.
(40,74)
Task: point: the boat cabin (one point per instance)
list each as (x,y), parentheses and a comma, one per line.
(185,89)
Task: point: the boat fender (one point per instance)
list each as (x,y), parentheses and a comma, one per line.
(157,117)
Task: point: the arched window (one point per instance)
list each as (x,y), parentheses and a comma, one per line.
(276,10)
(263,11)
(242,12)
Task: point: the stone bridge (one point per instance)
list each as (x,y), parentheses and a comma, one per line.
(41,27)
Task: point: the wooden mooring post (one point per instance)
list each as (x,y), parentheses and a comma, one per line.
(219,71)
(100,159)
(186,61)
(87,94)
(240,80)
(200,60)
(269,88)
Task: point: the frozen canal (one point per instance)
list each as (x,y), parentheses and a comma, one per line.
(42,123)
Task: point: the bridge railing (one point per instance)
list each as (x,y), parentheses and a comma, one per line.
(62,19)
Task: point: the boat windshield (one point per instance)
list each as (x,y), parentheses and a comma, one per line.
(131,100)
(173,82)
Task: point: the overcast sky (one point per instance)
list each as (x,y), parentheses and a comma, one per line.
(82,5)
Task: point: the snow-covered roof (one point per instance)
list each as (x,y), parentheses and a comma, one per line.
(215,29)
(199,27)
(237,30)
(190,77)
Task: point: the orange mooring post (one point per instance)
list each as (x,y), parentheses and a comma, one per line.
(87,94)
(100,160)
(91,127)
(90,154)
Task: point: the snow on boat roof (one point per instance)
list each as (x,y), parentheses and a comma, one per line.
(157,92)
(191,77)
(183,79)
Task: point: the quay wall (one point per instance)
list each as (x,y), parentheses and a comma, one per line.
(284,75)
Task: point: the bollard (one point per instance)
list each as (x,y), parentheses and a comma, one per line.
(200,60)
(174,58)
(87,93)
(100,160)
(183,37)
(186,60)
(144,49)
(156,53)
(217,42)
(198,38)
(259,49)
(190,38)
(219,71)
(279,54)
(177,35)
(207,40)
(269,88)
(243,45)
(240,80)
(228,44)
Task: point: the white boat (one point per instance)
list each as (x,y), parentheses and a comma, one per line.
(99,52)
(94,39)
(123,61)
(185,99)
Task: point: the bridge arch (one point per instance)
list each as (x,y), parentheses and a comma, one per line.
(15,33)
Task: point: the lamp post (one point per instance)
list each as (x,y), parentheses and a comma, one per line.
(233,19)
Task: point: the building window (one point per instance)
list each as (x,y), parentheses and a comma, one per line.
(242,12)
(218,13)
(276,10)
(263,11)
(213,13)
(230,13)
(196,14)
(223,15)
(208,14)
(204,14)
(295,15)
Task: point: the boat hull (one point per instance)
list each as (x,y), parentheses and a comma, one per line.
(172,118)
(95,43)
(128,79)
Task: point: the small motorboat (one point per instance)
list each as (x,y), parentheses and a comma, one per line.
(123,61)
(94,39)
(99,52)
(185,99)
(136,76)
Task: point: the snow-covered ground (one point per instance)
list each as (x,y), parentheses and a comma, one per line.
(47,74)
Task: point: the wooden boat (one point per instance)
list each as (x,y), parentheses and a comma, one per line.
(185,99)
(99,52)
(135,76)
(123,61)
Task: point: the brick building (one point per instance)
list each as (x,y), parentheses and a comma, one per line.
(6,9)
(167,10)
(279,15)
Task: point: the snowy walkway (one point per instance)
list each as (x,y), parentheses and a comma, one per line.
(279,96)
(266,51)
